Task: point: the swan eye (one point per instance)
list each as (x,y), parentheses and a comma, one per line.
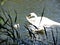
(31,17)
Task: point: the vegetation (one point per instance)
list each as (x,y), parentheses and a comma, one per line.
(13,36)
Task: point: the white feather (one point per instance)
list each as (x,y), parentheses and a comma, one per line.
(46,22)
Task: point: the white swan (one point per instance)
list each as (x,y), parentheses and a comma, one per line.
(35,20)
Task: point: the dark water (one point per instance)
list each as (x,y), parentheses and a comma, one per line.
(24,7)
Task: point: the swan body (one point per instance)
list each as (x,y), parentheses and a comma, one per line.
(45,22)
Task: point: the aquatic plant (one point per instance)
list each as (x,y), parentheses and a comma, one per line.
(54,40)
(10,31)
(13,35)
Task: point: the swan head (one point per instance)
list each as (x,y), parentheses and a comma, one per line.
(32,15)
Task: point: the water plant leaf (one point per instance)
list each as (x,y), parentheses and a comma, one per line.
(56,35)
(30,32)
(5,22)
(53,37)
(3,41)
(1,20)
(45,32)
(42,14)
(18,36)
(15,16)
(3,11)
(11,35)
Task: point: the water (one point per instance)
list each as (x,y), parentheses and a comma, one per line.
(24,7)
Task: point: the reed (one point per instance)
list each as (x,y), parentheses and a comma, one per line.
(30,32)
(53,36)
(56,35)
(9,32)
